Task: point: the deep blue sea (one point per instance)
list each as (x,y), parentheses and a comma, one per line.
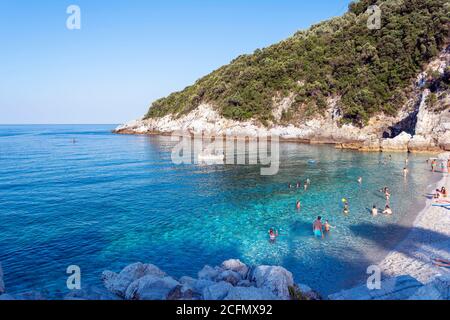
(109,200)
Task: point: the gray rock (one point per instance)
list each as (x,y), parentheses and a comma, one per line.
(183,292)
(244,283)
(236,266)
(200,285)
(118,283)
(276,279)
(217,291)
(398,288)
(230,277)
(151,287)
(208,273)
(250,293)
(2,284)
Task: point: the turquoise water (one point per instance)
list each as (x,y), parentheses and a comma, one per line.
(110,200)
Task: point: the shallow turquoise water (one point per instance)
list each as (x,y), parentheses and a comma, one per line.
(110,200)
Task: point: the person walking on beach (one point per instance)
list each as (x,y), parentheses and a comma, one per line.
(318,228)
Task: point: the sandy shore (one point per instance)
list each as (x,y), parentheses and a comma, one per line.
(429,238)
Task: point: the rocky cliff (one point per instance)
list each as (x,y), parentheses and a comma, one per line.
(417,128)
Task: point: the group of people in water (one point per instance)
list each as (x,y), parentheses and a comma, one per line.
(434,165)
(320,229)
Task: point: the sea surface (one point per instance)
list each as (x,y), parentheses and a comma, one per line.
(80,195)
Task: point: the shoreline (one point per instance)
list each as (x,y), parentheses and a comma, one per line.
(352,145)
(428,237)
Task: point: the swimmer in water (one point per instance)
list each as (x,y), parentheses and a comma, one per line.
(346,207)
(273,234)
(387,210)
(318,228)
(405,172)
(327,227)
(306,186)
(298,205)
(360,180)
(308,182)
(290,186)
(374,211)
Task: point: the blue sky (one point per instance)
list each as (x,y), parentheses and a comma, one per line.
(129,52)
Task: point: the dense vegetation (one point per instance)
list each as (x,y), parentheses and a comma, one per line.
(369,70)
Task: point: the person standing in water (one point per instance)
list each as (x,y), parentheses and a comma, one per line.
(273,235)
(405,172)
(327,226)
(387,210)
(318,227)
(360,180)
(374,211)
(306,186)
(298,205)
(433,165)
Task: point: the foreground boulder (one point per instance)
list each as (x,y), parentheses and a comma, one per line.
(250,294)
(151,287)
(119,283)
(276,279)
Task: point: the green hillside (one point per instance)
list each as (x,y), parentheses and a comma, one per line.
(370,70)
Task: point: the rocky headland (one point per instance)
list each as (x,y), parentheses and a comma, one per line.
(418,127)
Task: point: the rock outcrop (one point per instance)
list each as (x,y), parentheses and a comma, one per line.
(416,128)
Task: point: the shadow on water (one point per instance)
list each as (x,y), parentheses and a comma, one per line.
(429,238)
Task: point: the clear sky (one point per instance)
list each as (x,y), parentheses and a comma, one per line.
(129,52)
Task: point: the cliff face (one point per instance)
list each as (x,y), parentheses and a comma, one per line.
(339,83)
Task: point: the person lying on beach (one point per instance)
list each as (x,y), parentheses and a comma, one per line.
(387,210)
(318,228)
(441,263)
(374,211)
(437,195)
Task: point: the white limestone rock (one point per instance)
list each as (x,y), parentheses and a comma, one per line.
(151,287)
(217,291)
(276,279)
